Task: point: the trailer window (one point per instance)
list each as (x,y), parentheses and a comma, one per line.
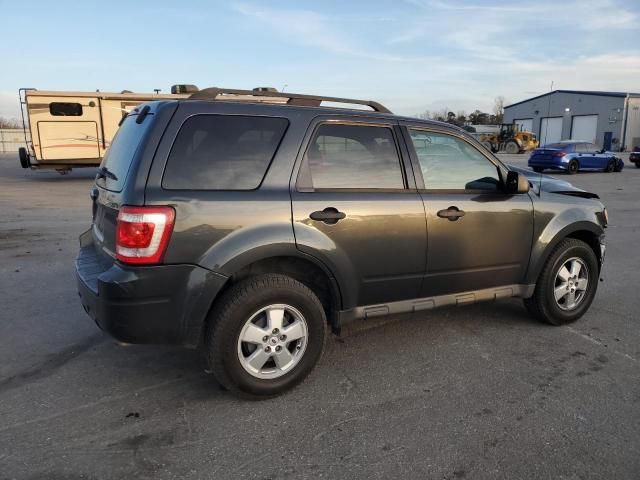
(65,109)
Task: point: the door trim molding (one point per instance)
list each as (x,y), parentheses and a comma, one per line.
(428,303)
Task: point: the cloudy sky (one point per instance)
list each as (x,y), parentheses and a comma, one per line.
(412,55)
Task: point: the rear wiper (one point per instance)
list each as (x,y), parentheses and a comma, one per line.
(104,172)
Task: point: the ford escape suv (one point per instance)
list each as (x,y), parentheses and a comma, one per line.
(249,223)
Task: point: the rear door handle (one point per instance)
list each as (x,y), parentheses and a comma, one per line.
(451,213)
(329,215)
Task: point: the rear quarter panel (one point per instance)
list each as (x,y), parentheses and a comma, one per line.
(227,230)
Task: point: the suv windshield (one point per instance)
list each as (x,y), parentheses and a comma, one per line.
(120,153)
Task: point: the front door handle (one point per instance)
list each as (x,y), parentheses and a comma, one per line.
(452,213)
(329,215)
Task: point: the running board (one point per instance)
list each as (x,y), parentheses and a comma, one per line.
(420,304)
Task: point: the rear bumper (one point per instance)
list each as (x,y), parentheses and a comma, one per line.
(161,304)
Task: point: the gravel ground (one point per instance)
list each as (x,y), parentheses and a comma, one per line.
(481,391)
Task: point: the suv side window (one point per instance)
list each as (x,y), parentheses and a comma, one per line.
(449,163)
(223,152)
(343,156)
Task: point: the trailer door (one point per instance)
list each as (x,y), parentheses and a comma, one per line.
(65,127)
(68,140)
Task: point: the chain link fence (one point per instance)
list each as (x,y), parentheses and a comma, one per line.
(11,139)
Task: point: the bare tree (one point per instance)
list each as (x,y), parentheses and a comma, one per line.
(498,108)
(9,123)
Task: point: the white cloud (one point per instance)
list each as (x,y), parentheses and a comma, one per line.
(313,29)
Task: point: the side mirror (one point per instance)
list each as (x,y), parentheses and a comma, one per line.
(516,183)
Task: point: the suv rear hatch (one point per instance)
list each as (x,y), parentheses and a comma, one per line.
(109,191)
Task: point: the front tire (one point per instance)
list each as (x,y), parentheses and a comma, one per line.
(619,165)
(512,148)
(265,335)
(611,166)
(567,284)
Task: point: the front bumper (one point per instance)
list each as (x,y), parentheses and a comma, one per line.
(603,250)
(160,304)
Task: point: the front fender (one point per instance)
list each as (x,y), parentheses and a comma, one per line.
(552,228)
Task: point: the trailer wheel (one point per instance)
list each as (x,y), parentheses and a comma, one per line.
(24,157)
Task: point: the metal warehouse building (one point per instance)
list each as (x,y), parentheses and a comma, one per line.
(608,119)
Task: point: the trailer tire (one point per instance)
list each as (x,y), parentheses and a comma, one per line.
(24,157)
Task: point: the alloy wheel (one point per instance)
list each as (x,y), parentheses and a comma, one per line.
(272,341)
(571,283)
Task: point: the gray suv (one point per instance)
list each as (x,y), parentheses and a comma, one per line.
(249,223)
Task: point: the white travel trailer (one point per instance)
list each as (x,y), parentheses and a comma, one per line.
(65,130)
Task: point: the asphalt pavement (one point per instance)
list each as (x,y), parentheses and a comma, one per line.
(475,392)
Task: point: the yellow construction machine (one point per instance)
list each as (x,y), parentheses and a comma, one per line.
(510,139)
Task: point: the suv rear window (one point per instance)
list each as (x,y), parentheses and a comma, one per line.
(223,152)
(120,153)
(354,156)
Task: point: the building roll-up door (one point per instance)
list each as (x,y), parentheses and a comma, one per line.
(584,128)
(526,124)
(550,130)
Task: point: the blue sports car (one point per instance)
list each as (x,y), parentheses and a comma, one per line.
(572,157)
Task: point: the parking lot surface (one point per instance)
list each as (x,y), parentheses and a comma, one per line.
(482,391)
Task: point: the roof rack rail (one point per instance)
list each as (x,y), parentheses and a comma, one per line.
(293,98)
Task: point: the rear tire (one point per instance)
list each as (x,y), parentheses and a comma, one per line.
(538,169)
(258,308)
(573,167)
(637,164)
(556,301)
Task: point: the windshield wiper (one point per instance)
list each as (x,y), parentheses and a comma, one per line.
(104,172)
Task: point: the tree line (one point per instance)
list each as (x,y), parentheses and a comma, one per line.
(461,119)
(9,123)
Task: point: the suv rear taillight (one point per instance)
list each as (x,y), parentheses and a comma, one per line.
(142,234)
